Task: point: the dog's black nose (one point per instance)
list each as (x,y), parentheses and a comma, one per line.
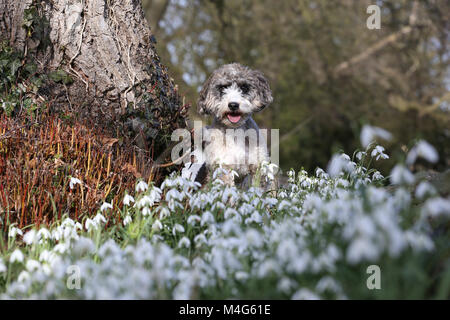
(233,106)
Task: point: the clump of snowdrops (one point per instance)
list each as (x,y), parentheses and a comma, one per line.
(314,238)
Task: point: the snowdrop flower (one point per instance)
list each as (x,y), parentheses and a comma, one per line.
(174,194)
(425,189)
(184,242)
(200,239)
(90,224)
(16,256)
(291,176)
(436,207)
(155,194)
(369,134)
(273,168)
(32,265)
(343,183)
(272,171)
(177,228)
(60,248)
(360,249)
(337,164)
(23,276)
(157,225)
(256,217)
(43,233)
(377,176)
(127,200)
(230,212)
(378,152)
(282,194)
(141,186)
(13,232)
(146,212)
(401,175)
(320,173)
(424,150)
(163,212)
(328,283)
(145,201)
(57,233)
(73,182)
(285,285)
(168,183)
(207,218)
(269,170)
(271,202)
(69,233)
(360,155)
(127,220)
(193,219)
(344,156)
(44,256)
(47,270)
(68,222)
(267,267)
(105,206)
(419,241)
(156,238)
(30,237)
(98,219)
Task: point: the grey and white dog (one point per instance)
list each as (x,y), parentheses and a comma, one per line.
(231,95)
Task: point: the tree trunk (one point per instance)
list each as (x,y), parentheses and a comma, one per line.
(107,48)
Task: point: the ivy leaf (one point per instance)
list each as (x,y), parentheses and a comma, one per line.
(30,68)
(14,66)
(60,76)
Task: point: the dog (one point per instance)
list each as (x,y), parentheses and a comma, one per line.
(230,96)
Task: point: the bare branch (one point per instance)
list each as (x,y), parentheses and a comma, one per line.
(379,45)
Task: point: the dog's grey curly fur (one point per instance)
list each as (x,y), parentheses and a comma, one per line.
(247,91)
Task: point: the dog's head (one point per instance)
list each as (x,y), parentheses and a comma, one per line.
(232,93)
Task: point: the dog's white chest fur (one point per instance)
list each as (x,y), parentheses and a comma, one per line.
(238,149)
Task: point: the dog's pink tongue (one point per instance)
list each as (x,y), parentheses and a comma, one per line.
(234,118)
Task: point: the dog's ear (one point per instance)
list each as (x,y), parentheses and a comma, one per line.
(264,93)
(201,102)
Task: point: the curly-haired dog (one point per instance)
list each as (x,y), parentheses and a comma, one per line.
(231,95)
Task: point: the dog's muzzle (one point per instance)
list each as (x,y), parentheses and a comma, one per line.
(234,116)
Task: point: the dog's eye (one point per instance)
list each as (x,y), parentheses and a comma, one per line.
(221,88)
(245,88)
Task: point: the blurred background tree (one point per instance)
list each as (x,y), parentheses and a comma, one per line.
(329,73)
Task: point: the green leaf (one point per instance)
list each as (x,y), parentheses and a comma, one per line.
(30,68)
(14,66)
(60,76)
(27,103)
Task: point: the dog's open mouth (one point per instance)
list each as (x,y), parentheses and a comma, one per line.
(234,117)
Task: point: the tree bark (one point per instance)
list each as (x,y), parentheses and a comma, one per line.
(108,49)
